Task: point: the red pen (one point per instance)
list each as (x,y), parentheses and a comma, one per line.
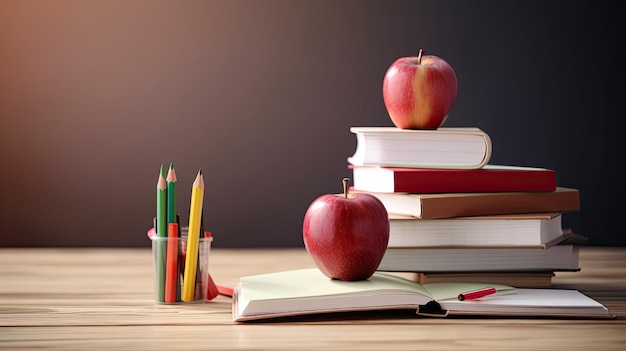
(471,295)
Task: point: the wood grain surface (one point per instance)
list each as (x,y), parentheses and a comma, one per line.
(102,299)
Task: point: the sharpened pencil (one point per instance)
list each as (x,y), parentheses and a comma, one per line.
(171,265)
(161,230)
(193,238)
(171,194)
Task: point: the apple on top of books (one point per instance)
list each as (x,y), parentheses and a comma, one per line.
(346,234)
(419,91)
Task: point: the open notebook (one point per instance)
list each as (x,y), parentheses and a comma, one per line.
(308,291)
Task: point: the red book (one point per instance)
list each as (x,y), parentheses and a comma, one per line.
(490,178)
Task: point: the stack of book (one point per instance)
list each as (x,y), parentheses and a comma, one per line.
(456,217)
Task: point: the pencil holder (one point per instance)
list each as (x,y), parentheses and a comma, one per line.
(180,269)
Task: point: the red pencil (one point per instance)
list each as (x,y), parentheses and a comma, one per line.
(171,272)
(471,295)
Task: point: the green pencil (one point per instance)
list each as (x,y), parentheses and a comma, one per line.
(171,194)
(161,231)
(172,217)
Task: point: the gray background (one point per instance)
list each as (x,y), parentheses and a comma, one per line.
(95,95)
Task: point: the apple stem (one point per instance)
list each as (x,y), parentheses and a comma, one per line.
(419,56)
(345,181)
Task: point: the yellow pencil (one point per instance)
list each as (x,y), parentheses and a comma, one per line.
(193,237)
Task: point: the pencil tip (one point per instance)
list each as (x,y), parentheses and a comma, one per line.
(200,171)
(171,165)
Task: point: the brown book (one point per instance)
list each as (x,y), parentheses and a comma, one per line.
(447,205)
(515,279)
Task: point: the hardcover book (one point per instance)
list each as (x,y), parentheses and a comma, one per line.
(523,230)
(490,178)
(308,291)
(479,258)
(514,279)
(462,148)
(447,205)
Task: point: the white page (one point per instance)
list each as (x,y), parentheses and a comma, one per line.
(532,301)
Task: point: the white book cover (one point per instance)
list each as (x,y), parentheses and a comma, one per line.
(480,259)
(460,148)
(540,229)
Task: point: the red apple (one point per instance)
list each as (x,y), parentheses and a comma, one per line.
(419,91)
(346,234)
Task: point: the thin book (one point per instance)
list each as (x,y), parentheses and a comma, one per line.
(515,279)
(447,205)
(490,178)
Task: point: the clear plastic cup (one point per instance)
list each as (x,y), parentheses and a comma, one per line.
(169,258)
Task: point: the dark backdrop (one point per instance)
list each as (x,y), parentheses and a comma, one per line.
(95,95)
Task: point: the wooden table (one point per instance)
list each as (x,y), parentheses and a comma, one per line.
(101,299)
